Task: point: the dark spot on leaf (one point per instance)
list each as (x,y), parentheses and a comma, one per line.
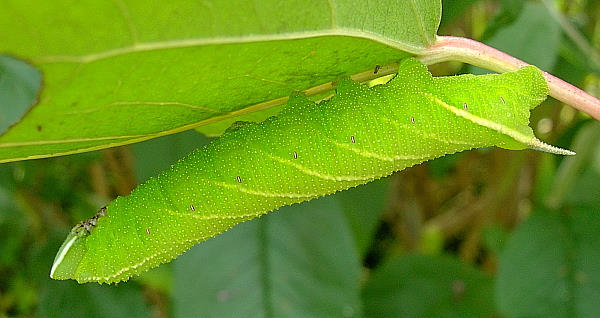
(376,70)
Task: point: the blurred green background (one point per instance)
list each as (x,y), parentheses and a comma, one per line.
(486,233)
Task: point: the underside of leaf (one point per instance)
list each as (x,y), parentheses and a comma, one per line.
(120,72)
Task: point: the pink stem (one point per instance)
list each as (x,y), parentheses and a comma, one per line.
(449,48)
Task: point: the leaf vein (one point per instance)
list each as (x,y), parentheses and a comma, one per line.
(419,19)
(173,44)
(128,20)
(144,103)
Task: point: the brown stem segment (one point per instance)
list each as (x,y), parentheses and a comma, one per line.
(450,48)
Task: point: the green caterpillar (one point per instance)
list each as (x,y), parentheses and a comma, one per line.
(308,150)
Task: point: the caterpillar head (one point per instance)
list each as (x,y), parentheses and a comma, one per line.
(72,250)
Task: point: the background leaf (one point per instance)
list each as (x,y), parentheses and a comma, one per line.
(428,286)
(19,83)
(363,207)
(505,19)
(534,36)
(550,267)
(122,72)
(576,177)
(68,299)
(300,261)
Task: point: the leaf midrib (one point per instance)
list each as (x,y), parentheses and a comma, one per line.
(194,42)
(421,23)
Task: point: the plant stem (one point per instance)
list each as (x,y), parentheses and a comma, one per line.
(449,48)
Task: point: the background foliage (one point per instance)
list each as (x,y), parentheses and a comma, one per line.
(482,233)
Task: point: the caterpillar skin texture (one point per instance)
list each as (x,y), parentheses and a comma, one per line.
(308,150)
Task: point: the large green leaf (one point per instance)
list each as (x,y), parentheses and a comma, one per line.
(577,177)
(550,267)
(363,207)
(309,150)
(534,37)
(118,72)
(67,299)
(300,261)
(428,286)
(19,83)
